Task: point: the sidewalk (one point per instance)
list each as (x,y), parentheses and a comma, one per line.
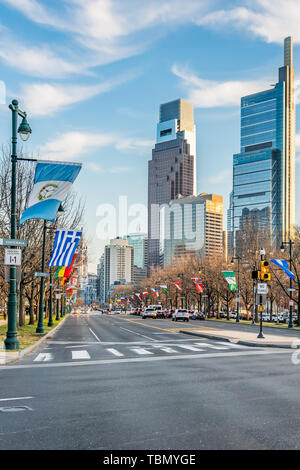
(245,338)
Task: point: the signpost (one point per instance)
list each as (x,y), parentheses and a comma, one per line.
(12,257)
(10,242)
(262,288)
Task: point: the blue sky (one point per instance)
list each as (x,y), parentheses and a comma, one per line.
(92,73)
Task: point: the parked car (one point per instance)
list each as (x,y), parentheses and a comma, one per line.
(149,313)
(169,313)
(197,316)
(180,314)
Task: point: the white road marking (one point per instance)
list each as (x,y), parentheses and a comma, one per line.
(114,351)
(18,398)
(140,351)
(80,355)
(212,346)
(189,357)
(99,340)
(167,350)
(233,345)
(139,334)
(191,348)
(43,357)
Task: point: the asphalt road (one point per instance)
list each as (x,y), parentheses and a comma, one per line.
(121,382)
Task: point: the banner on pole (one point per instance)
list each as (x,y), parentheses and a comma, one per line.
(230,278)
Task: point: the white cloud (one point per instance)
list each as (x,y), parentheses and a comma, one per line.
(37,61)
(108,27)
(72,145)
(44,99)
(271,20)
(210,94)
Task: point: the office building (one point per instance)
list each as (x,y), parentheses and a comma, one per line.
(264,171)
(118,265)
(193,224)
(139,242)
(172,170)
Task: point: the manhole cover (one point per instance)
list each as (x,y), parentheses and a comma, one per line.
(12,409)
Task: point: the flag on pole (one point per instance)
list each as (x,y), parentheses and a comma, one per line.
(65,244)
(68,271)
(139,296)
(58,271)
(198,285)
(282,263)
(155,291)
(177,284)
(145,293)
(52,181)
(61,272)
(164,289)
(230,278)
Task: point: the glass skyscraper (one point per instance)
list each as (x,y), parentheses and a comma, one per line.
(172,170)
(264,170)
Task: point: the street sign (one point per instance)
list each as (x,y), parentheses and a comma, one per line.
(12,257)
(291,290)
(262,288)
(48,284)
(261,299)
(58,296)
(10,242)
(42,274)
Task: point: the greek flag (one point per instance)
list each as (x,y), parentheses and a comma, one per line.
(282,263)
(52,181)
(65,244)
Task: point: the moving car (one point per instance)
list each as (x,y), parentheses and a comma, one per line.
(180,314)
(149,313)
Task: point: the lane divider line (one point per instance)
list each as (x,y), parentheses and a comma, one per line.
(99,340)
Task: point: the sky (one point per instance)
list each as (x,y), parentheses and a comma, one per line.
(91,75)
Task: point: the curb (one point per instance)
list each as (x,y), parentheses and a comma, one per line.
(241,342)
(35,345)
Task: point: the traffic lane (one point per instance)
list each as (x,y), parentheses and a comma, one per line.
(214,404)
(114,328)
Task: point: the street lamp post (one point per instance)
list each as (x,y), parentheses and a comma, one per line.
(238,258)
(181,275)
(11,342)
(40,325)
(290,243)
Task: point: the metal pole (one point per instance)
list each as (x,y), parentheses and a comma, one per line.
(291,286)
(238,293)
(50,322)
(11,342)
(40,326)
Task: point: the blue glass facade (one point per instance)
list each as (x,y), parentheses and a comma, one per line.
(257,182)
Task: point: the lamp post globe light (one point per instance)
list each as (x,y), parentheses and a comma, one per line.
(282,248)
(11,342)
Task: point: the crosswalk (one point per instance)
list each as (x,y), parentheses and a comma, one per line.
(124,350)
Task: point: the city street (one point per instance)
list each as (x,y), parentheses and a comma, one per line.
(121,382)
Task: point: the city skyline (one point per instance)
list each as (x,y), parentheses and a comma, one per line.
(117,99)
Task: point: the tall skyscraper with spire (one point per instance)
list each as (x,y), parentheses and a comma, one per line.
(172,170)
(263,195)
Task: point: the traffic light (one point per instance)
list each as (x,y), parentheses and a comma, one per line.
(255,274)
(265,275)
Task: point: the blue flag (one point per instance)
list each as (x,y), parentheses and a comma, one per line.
(282,263)
(52,181)
(65,244)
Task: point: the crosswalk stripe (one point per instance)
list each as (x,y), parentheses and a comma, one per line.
(43,357)
(191,348)
(233,345)
(114,351)
(141,351)
(212,346)
(168,350)
(80,355)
